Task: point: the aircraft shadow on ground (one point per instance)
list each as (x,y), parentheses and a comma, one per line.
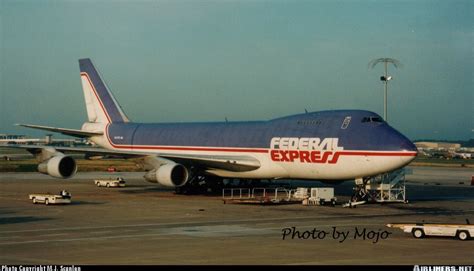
(439,193)
(21,219)
(82,202)
(439,198)
(432,211)
(5,211)
(143,190)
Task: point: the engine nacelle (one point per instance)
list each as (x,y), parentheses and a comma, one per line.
(170,175)
(59,166)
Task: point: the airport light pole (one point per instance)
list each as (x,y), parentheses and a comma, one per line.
(385,78)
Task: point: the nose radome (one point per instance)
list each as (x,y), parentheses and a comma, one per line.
(407,145)
(396,141)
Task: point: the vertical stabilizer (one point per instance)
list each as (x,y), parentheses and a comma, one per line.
(100,103)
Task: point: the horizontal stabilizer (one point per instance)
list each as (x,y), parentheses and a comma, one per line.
(64,131)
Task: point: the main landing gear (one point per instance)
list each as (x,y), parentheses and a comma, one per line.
(213,185)
(201,185)
(360,195)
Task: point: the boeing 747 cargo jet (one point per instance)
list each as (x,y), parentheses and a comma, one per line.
(327,145)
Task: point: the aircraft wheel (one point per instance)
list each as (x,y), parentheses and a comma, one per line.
(418,233)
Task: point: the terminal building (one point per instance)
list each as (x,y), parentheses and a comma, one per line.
(7,138)
(48,140)
(437,146)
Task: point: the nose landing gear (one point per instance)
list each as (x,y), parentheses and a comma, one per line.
(387,187)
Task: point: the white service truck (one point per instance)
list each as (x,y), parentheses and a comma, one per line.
(117,182)
(321,196)
(301,194)
(419,230)
(64,197)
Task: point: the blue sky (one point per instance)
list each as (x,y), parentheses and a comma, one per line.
(197,60)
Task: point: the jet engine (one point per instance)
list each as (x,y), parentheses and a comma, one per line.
(170,175)
(59,166)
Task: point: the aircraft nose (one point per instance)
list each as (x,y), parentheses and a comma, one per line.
(410,149)
(396,141)
(407,145)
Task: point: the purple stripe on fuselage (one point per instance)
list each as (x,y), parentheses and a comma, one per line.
(257,134)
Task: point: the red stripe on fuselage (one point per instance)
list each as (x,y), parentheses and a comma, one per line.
(368,153)
(375,153)
(96,95)
(193,149)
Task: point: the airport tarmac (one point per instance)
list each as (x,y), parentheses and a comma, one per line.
(146,224)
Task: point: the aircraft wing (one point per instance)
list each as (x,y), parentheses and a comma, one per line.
(64,131)
(232,163)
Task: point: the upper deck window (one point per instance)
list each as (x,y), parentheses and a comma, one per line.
(346,122)
(372,119)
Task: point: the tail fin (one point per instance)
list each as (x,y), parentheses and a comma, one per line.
(100,103)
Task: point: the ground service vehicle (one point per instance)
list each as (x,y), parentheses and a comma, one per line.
(321,196)
(117,182)
(419,230)
(64,197)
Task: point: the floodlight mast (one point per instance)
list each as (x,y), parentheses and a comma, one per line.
(385,78)
(385,92)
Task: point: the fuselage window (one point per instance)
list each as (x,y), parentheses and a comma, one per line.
(309,122)
(346,122)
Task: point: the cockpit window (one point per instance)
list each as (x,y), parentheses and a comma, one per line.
(372,119)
